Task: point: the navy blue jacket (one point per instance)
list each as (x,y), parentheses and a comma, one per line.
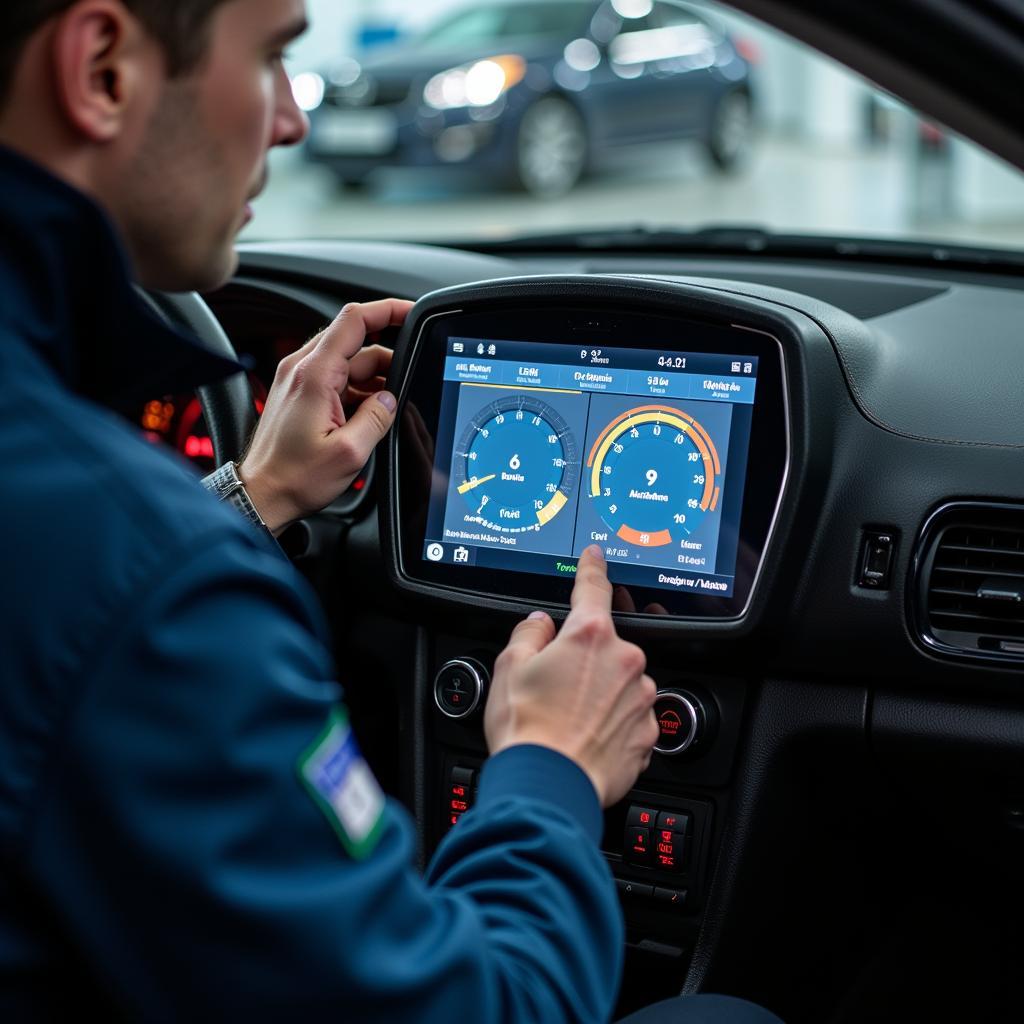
(162,671)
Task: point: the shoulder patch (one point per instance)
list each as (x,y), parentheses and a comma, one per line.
(343,787)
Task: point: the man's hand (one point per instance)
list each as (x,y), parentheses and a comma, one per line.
(583,694)
(305,451)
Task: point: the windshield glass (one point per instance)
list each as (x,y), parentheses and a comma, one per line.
(443,120)
(483,25)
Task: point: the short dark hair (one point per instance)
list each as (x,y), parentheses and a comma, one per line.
(179,25)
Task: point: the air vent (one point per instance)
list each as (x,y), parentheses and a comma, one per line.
(971,581)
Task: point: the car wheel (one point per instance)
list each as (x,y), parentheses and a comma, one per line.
(732,127)
(551,149)
(353,182)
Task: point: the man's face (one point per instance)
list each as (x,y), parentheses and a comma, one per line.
(203,153)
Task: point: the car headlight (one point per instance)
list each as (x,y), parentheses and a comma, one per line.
(308,90)
(475,85)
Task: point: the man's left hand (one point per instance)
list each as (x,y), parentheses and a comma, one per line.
(305,451)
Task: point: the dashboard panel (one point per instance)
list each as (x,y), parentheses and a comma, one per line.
(828,735)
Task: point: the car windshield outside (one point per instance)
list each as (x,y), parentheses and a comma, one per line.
(447,121)
(483,25)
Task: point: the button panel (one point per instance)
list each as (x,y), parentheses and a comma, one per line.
(460,793)
(639,892)
(663,846)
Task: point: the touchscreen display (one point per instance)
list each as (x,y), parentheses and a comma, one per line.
(544,449)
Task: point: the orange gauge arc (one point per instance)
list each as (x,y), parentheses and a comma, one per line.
(644,540)
(659,414)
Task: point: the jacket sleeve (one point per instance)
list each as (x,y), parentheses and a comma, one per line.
(180,852)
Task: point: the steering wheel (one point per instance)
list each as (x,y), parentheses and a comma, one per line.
(227,404)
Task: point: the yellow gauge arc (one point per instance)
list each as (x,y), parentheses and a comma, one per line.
(475,481)
(670,417)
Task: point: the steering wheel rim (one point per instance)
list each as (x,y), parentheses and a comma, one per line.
(228,405)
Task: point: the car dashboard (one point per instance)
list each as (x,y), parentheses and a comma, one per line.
(837,749)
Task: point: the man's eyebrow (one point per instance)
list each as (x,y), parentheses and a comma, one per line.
(289,32)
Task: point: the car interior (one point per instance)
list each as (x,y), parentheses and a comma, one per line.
(802,456)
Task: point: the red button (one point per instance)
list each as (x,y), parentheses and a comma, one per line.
(641,817)
(638,845)
(459,805)
(670,820)
(458,791)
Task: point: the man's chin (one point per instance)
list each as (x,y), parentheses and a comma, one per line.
(205,277)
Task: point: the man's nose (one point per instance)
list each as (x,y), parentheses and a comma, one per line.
(291,125)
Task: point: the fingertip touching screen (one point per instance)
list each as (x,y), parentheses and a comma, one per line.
(527,438)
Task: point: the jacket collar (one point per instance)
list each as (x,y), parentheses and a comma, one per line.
(66,291)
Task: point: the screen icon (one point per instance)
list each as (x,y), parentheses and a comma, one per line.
(461,555)
(480,349)
(748,367)
(736,367)
(435,552)
(458,348)
(492,350)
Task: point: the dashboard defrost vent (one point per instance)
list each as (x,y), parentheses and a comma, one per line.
(971,581)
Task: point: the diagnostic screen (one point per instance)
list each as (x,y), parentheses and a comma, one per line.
(544,449)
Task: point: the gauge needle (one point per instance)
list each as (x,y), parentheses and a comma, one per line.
(475,482)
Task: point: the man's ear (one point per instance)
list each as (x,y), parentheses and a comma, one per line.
(99,52)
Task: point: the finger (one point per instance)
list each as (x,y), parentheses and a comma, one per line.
(366,428)
(531,636)
(367,363)
(592,591)
(345,337)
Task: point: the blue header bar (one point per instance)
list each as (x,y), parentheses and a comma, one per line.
(649,383)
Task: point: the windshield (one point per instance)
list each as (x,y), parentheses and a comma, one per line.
(442,120)
(483,25)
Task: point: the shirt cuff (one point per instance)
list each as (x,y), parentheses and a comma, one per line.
(542,774)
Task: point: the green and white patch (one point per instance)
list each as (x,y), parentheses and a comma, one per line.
(340,781)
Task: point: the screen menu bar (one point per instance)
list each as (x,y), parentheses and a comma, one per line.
(656,383)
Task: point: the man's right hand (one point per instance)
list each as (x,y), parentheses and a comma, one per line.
(583,693)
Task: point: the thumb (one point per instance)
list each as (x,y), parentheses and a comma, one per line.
(531,636)
(368,425)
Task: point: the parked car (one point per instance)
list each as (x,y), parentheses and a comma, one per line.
(533,93)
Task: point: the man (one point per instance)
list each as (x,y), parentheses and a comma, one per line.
(186,826)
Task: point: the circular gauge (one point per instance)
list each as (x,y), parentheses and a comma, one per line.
(654,474)
(516,465)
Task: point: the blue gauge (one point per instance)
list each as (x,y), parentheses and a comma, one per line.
(516,465)
(654,474)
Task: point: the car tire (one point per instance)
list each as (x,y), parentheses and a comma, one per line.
(732,128)
(551,148)
(354,183)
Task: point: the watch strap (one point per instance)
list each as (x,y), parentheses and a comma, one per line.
(226,485)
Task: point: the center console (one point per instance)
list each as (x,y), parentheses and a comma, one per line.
(538,417)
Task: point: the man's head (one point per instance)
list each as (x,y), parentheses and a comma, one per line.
(162,110)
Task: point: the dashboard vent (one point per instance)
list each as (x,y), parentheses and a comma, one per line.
(972,580)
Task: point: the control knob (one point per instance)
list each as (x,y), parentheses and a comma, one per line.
(459,687)
(683,719)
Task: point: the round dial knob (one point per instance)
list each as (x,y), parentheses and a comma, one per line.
(459,687)
(682,720)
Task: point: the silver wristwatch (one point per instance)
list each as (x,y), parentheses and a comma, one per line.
(227,486)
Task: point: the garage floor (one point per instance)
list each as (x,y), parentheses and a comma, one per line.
(786,186)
